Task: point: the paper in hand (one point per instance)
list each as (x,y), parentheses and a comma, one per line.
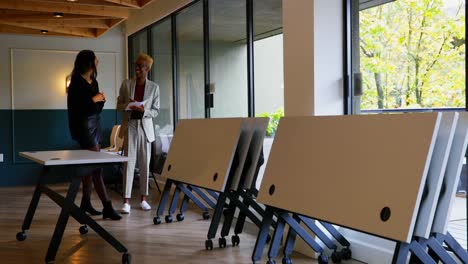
(128,108)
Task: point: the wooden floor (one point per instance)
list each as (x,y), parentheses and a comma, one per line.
(167,243)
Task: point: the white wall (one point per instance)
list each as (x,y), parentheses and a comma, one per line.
(46,88)
(328,57)
(269,79)
(111,42)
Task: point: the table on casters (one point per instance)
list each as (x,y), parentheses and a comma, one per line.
(79,161)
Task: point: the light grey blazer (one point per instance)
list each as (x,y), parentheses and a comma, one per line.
(151,96)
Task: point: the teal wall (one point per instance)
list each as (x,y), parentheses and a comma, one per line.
(29,130)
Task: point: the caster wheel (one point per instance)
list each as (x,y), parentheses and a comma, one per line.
(126,258)
(209,244)
(206,215)
(157,220)
(83,230)
(286,260)
(268,239)
(235,240)
(322,259)
(21,236)
(336,257)
(346,253)
(168,218)
(271,261)
(222,242)
(180,217)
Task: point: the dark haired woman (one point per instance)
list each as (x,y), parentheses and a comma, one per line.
(85,104)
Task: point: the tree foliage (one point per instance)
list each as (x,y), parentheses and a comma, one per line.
(413,55)
(274,121)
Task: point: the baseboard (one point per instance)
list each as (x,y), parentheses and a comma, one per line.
(370,252)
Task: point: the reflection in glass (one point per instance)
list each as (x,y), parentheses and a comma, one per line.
(138,43)
(268,57)
(161,36)
(228,58)
(191,62)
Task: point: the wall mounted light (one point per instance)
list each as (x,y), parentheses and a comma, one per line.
(67,82)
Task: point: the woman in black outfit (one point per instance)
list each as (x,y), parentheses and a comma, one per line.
(85,104)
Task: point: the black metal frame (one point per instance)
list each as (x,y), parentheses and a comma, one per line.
(206,58)
(250,59)
(347,61)
(175,69)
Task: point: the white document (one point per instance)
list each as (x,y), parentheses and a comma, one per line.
(134,104)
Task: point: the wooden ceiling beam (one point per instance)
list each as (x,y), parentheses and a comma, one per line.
(145,2)
(74,23)
(112,23)
(79,32)
(66,8)
(127,3)
(83,2)
(48,16)
(26,31)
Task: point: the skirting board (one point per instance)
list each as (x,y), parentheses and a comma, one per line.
(369,249)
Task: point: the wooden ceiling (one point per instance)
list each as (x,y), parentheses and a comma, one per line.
(79,18)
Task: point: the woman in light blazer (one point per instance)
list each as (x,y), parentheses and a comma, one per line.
(139,101)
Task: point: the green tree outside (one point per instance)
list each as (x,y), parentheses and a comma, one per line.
(413,54)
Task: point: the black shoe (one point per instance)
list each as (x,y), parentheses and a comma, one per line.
(109,212)
(87,207)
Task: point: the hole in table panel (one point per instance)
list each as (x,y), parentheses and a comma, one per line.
(385,214)
(272,189)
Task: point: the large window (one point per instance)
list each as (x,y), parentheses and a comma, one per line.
(138,43)
(161,49)
(412,55)
(191,62)
(230,51)
(228,57)
(268,60)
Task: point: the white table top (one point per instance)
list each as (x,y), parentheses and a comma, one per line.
(72,157)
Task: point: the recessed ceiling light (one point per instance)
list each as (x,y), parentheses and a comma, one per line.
(43,31)
(72,0)
(58,15)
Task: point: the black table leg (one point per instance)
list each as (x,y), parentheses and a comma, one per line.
(20,236)
(63,219)
(85,219)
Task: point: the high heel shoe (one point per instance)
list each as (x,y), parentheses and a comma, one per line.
(87,207)
(109,212)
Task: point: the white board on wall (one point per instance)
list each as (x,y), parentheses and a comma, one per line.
(38,78)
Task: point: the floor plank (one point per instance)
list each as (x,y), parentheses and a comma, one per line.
(167,243)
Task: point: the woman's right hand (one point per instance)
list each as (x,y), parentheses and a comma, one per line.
(99,98)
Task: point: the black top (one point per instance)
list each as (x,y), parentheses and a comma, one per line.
(83,113)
